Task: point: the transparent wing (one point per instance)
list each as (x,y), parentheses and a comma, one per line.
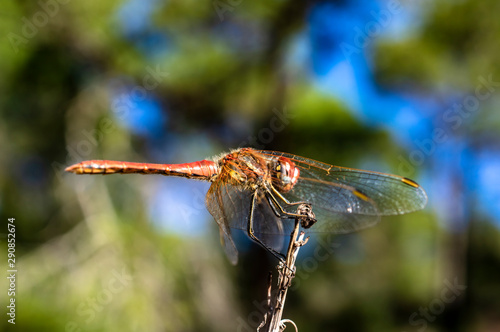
(342,189)
(230,206)
(215,204)
(345,199)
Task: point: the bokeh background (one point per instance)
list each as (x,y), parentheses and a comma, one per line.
(405,87)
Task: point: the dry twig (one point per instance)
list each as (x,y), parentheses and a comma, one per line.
(286,272)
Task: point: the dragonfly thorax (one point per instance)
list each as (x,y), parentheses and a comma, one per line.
(245,168)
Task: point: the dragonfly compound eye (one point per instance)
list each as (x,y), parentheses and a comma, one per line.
(285,174)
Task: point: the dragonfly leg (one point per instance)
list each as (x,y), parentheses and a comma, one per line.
(283,198)
(251,234)
(275,204)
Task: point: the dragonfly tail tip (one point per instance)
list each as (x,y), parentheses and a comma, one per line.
(72,169)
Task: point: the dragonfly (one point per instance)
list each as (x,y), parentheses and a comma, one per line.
(259,192)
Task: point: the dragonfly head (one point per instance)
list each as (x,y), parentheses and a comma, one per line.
(284,174)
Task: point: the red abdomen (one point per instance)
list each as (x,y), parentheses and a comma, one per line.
(202,170)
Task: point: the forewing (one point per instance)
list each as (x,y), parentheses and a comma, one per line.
(345,199)
(343,189)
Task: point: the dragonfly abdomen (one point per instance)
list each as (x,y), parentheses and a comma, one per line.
(203,169)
